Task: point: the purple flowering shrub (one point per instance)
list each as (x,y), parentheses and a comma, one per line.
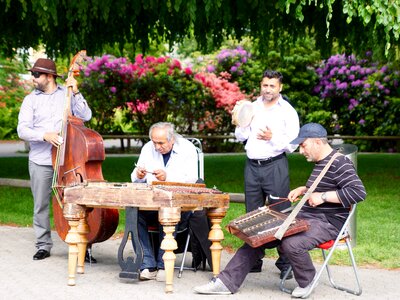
(361,96)
(378,109)
(238,65)
(104,86)
(232,61)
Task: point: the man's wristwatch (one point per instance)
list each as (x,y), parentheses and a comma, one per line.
(323,197)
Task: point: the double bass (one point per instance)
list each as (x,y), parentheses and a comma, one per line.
(76,160)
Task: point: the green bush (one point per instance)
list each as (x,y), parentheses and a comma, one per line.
(13,89)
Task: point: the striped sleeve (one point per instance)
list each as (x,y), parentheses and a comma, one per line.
(350,189)
(342,178)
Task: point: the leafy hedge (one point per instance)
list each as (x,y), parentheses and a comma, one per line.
(347,94)
(12,91)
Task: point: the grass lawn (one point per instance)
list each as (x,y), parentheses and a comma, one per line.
(378,218)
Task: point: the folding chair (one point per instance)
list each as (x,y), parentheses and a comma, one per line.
(200,168)
(154,234)
(329,247)
(153,230)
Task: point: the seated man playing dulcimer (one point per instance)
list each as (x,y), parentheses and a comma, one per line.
(326,211)
(166,157)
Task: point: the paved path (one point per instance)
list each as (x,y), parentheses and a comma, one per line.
(23,278)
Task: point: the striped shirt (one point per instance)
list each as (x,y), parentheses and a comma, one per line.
(342,178)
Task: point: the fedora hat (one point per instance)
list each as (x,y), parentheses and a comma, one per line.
(44,65)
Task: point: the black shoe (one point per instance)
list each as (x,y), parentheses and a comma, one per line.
(41,254)
(283,272)
(257,267)
(89,258)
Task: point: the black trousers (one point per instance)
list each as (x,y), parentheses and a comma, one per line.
(263,180)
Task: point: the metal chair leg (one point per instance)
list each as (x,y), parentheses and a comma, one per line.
(358,289)
(325,265)
(282,286)
(184,256)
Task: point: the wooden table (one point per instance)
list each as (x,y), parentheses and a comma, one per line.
(169,199)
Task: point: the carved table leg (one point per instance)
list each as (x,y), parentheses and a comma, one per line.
(216,235)
(169,217)
(73,213)
(83,230)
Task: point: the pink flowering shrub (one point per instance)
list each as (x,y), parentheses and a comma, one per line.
(105,85)
(225,95)
(153,89)
(13,89)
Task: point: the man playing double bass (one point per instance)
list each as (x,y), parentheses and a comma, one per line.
(39,123)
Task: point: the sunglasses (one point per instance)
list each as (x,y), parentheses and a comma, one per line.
(36,74)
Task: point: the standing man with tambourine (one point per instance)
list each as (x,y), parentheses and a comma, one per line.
(267,125)
(39,123)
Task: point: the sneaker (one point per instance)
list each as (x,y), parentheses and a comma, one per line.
(146,274)
(160,275)
(300,292)
(214,287)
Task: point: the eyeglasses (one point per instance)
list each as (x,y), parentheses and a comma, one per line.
(36,74)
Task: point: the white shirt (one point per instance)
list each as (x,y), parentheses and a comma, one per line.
(182,165)
(41,113)
(281,119)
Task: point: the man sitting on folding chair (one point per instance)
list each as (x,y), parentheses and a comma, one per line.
(166,157)
(326,211)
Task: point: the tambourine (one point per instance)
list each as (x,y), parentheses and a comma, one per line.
(242,113)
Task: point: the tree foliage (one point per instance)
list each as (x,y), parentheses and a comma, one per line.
(67,26)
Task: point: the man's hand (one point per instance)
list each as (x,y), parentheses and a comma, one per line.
(73,83)
(296,193)
(161,175)
(264,134)
(140,172)
(315,199)
(53,138)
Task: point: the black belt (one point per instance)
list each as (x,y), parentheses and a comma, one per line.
(262,162)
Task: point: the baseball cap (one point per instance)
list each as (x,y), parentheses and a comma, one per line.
(310,130)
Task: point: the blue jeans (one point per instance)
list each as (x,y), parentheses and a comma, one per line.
(150,218)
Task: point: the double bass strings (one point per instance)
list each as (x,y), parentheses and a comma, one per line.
(59,161)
